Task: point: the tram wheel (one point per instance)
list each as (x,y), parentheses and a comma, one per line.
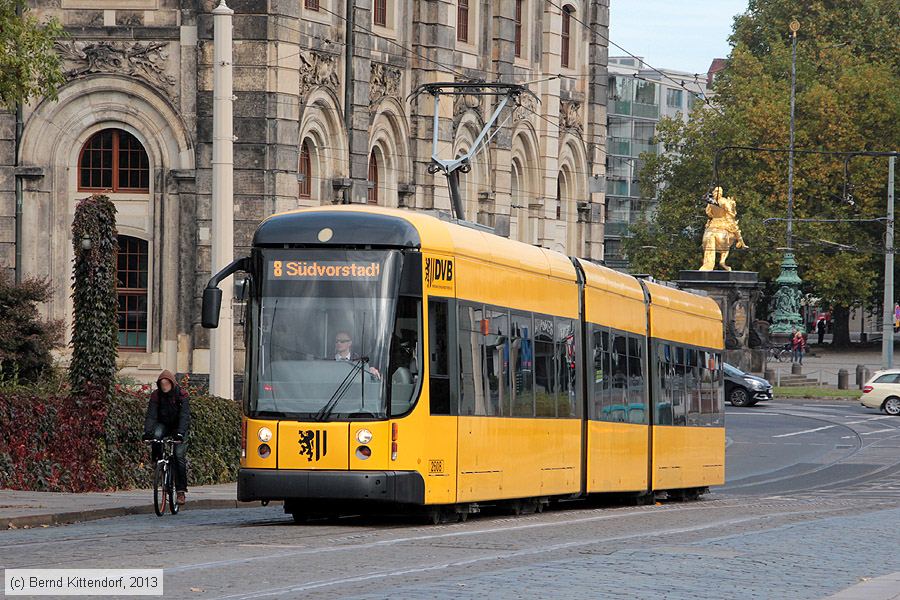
(441,515)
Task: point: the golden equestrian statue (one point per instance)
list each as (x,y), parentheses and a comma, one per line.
(721,230)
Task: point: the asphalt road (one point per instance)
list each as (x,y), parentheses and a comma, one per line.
(810,490)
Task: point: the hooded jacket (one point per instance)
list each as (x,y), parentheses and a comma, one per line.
(171,409)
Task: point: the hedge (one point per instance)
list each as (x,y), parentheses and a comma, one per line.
(58,442)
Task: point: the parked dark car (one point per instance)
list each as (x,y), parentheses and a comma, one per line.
(744,389)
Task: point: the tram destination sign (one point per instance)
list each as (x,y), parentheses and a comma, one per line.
(323,270)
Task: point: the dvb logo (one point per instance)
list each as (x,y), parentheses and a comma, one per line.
(438,272)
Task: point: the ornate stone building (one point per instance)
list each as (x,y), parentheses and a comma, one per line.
(322,116)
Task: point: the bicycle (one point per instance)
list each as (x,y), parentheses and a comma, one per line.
(164,478)
(779,353)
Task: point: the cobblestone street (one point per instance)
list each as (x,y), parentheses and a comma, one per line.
(808,512)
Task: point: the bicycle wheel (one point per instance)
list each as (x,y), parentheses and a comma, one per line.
(159,488)
(170,490)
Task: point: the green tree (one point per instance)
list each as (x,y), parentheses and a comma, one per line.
(95,334)
(29,65)
(848,71)
(25,338)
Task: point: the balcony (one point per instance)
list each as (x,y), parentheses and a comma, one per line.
(616,187)
(619,107)
(615,229)
(641,146)
(618,145)
(647,111)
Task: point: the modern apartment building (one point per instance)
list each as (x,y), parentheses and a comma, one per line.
(638,98)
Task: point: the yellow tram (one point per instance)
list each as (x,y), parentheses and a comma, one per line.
(395,357)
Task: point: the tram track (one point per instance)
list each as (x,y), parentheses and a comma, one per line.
(505,526)
(726,523)
(860,445)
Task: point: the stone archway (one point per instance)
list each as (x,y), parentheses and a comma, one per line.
(389,139)
(478,179)
(54,135)
(573,171)
(321,125)
(525,182)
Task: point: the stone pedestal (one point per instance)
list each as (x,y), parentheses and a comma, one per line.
(736,293)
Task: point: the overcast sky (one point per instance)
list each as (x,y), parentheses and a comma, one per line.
(684,35)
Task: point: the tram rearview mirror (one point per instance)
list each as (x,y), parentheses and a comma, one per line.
(212,304)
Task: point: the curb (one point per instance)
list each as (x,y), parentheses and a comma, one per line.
(886,587)
(818,399)
(81,516)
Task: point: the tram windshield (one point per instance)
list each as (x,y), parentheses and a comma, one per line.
(327,341)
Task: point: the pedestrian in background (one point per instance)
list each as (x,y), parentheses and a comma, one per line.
(797,347)
(820,329)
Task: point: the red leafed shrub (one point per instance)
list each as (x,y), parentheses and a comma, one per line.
(50,443)
(57,442)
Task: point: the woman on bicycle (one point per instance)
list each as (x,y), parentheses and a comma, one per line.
(169,415)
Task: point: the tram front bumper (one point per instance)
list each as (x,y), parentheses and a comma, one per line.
(405,487)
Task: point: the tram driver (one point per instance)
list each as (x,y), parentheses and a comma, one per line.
(343,350)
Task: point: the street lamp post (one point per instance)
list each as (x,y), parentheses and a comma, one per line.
(887,337)
(786,316)
(221,339)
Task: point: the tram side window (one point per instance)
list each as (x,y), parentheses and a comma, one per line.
(664,399)
(496,346)
(679,404)
(618,408)
(692,387)
(545,381)
(636,410)
(521,365)
(707,403)
(599,375)
(720,389)
(439,357)
(471,360)
(566,403)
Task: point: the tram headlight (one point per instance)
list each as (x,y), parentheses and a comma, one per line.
(363,452)
(264,434)
(264,451)
(364,436)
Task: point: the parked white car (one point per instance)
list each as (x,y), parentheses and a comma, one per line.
(882,392)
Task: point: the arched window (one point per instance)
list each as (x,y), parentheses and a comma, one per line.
(379,12)
(113,160)
(462,21)
(373,178)
(131,273)
(559,198)
(518,21)
(520,199)
(304,171)
(565,50)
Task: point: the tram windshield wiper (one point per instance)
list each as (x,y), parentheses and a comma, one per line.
(327,410)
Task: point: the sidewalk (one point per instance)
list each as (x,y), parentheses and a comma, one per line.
(823,362)
(34,509)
